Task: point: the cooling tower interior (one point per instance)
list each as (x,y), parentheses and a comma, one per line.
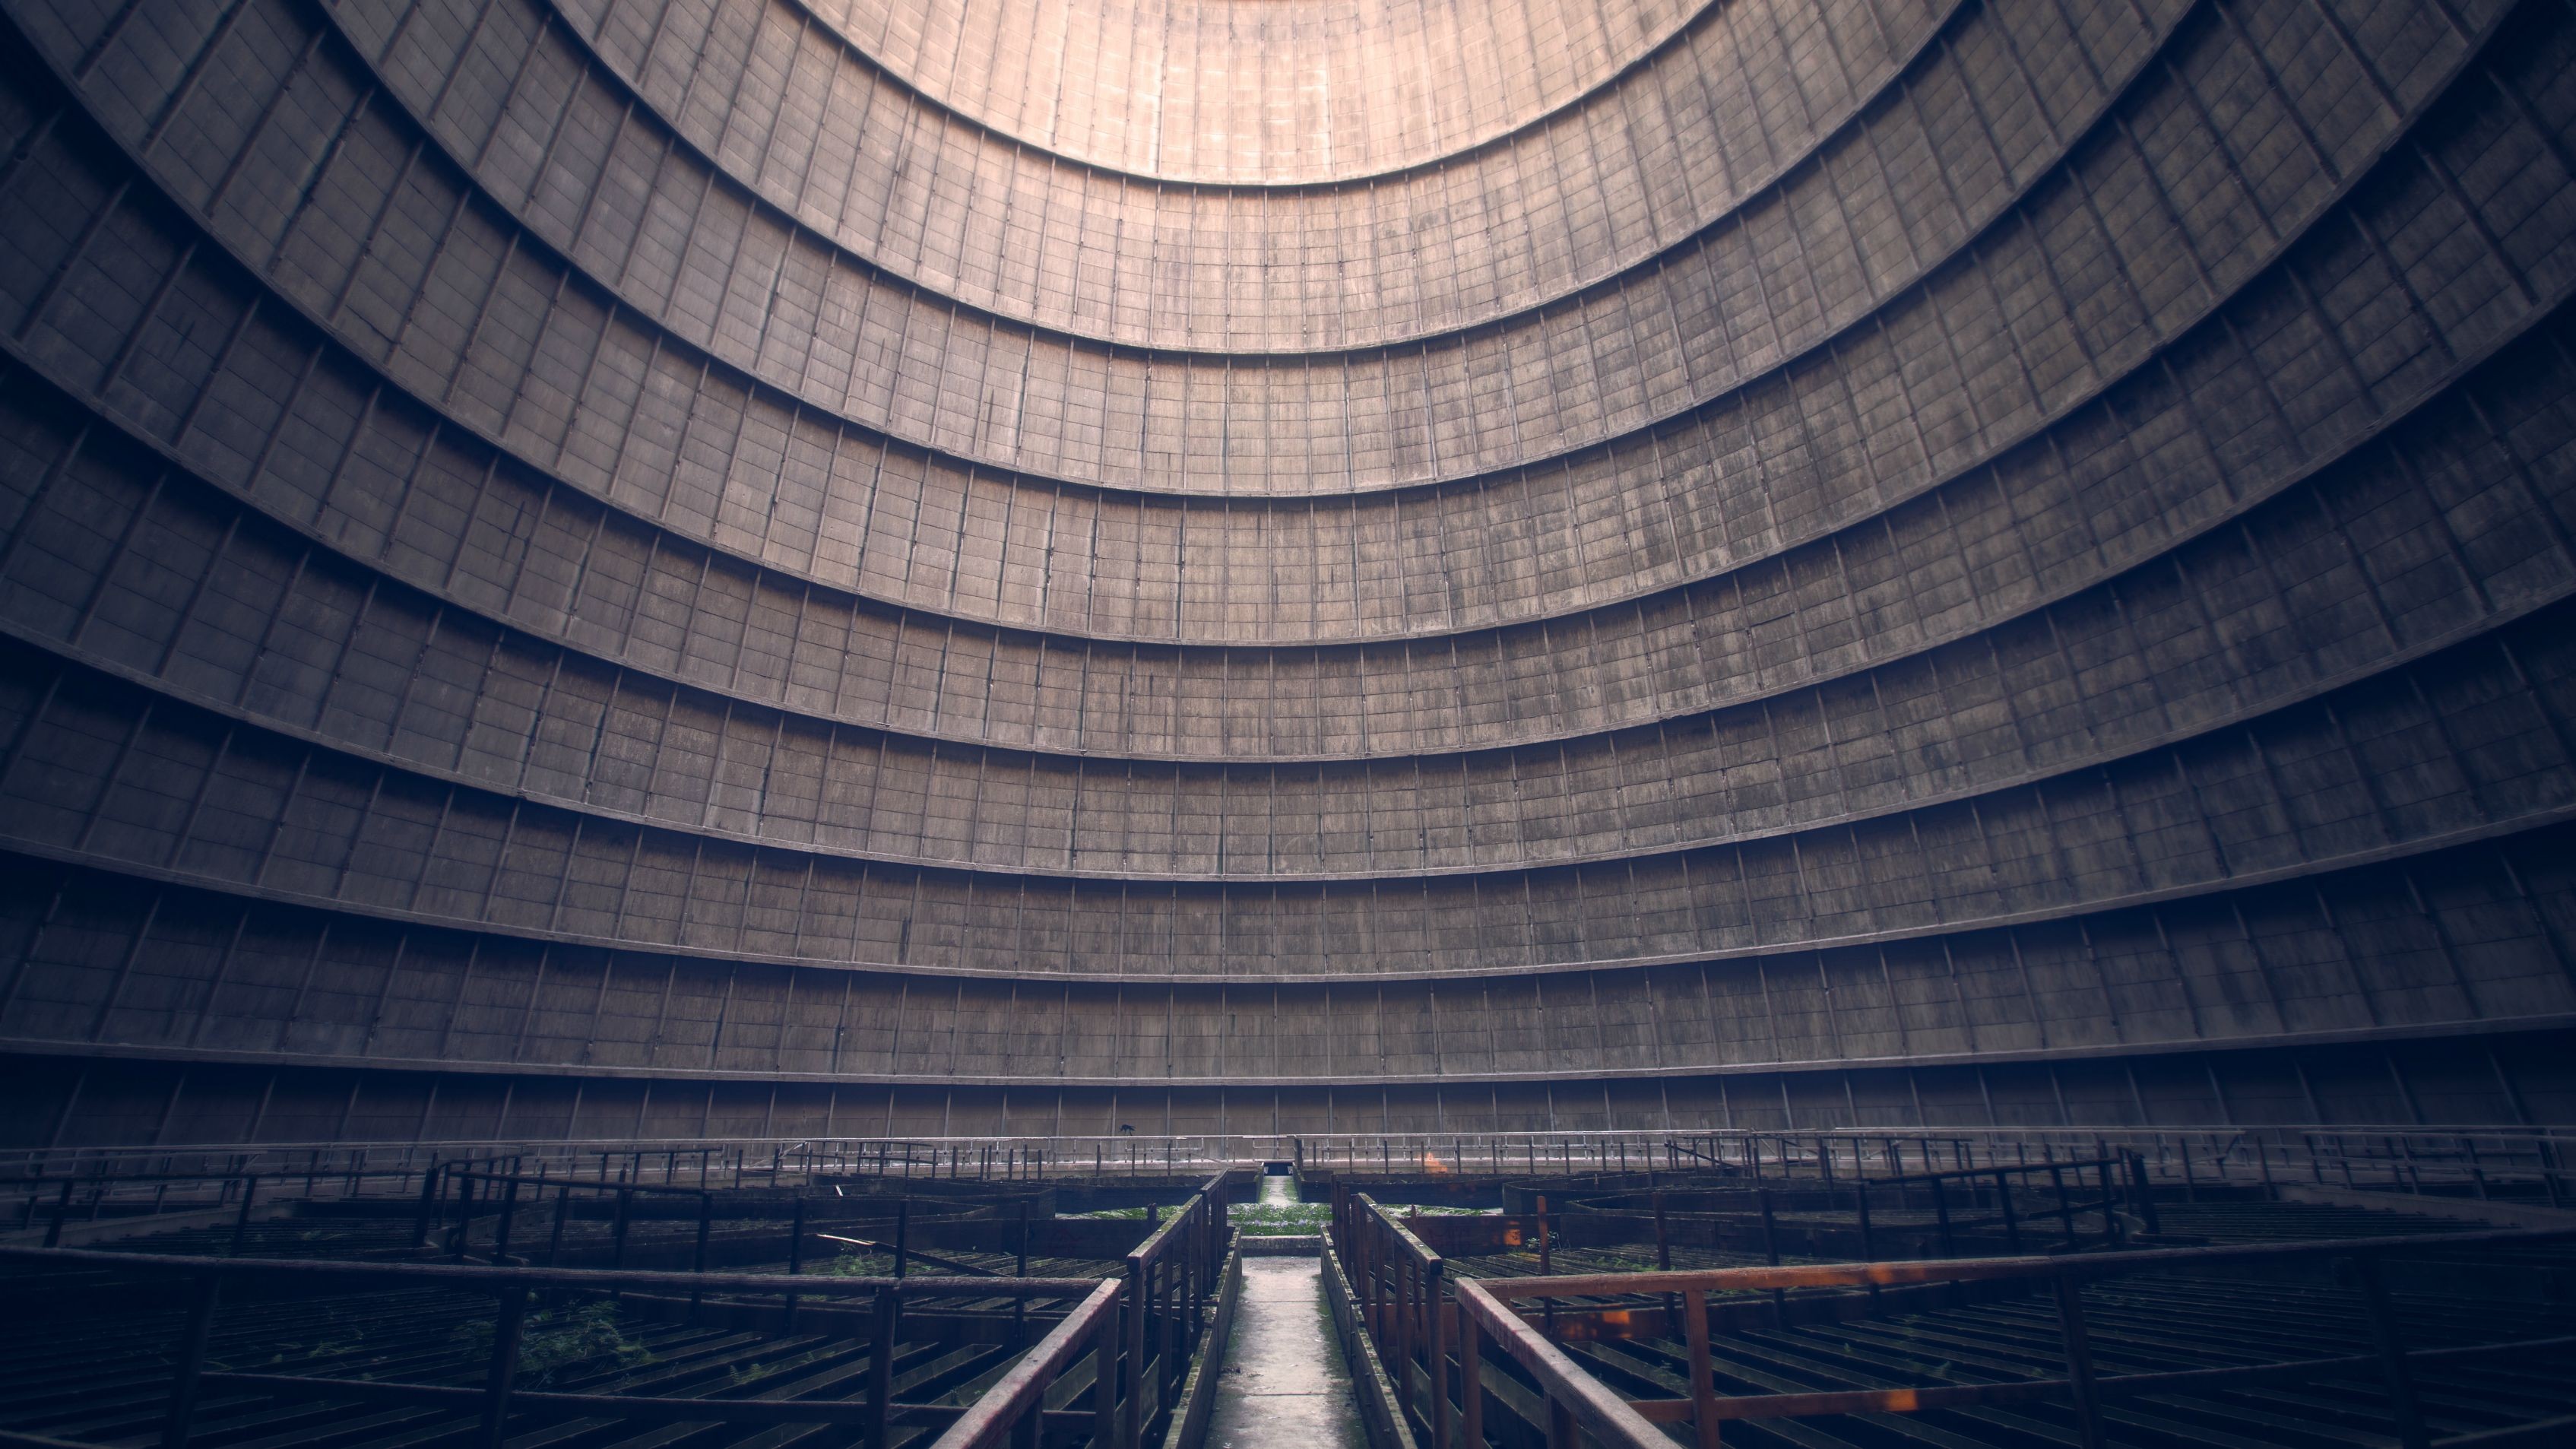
(755,569)
(1287,724)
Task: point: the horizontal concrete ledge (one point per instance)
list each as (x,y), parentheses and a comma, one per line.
(1279,1245)
(1261,776)
(618,76)
(2465,1209)
(900,78)
(27,1048)
(1768,950)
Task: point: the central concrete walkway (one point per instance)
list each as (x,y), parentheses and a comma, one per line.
(1284,1385)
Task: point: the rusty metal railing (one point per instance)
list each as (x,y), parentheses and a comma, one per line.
(1011,1408)
(1401,1280)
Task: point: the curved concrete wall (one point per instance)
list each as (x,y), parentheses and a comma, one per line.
(1249,94)
(720,550)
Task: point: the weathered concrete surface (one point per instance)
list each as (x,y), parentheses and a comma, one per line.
(1618,622)
(1285,1386)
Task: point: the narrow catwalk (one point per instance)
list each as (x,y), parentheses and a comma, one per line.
(1285,1385)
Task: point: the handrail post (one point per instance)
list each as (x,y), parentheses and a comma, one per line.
(2400,1382)
(1771,1250)
(1104,1381)
(501,1234)
(464,1217)
(241,1220)
(2012,1219)
(2112,1233)
(2079,1362)
(504,1369)
(698,1258)
(190,1361)
(554,1240)
(1435,1332)
(1703,1370)
(1167,1341)
(1397,1339)
(2146,1197)
(1181,1294)
(1131,1424)
(796,1259)
(428,1203)
(62,1213)
(1868,1240)
(1471,1382)
(2065,1205)
(1664,1252)
(882,1310)
(1372,1267)
(617,1230)
(1363,1240)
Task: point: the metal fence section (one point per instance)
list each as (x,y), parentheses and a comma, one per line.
(2533,1162)
(1135,1328)
(1434,1325)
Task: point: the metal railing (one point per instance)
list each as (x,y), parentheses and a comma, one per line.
(1571,1396)
(1170,1278)
(2083,1388)
(1012,1408)
(1140,1324)
(1401,1281)
(197,1192)
(511,1287)
(101,1193)
(504,1208)
(2473,1160)
(2021,1201)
